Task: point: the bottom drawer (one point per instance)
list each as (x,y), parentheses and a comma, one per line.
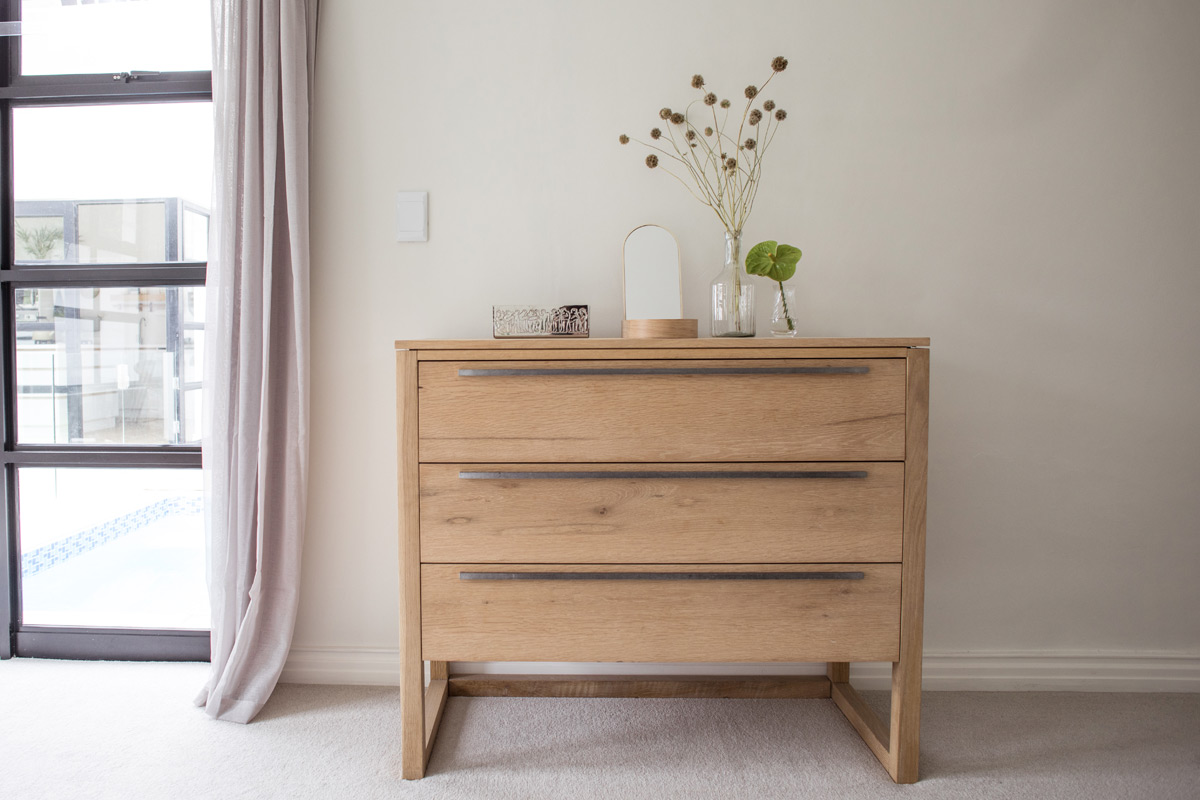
(655,612)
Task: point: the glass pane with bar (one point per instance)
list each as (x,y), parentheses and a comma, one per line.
(112,548)
(66,38)
(112,184)
(111,365)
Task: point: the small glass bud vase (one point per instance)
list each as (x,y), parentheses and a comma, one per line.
(783,311)
(733,293)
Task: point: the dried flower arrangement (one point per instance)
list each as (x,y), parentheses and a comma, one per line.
(724,169)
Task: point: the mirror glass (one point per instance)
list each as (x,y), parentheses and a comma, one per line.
(652,284)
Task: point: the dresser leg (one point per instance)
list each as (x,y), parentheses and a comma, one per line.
(412,719)
(905,722)
(896,742)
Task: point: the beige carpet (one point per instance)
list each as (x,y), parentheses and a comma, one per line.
(103,730)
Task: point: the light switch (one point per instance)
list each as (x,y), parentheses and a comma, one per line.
(412,216)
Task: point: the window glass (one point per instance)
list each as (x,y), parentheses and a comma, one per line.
(39,238)
(112,183)
(117,548)
(113,365)
(195,234)
(63,37)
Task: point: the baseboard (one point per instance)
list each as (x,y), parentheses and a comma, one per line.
(352,666)
(979,672)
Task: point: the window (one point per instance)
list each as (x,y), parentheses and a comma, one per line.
(106,129)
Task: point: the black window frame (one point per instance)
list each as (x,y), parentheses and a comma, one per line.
(17,91)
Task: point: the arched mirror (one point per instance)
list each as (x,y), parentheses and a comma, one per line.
(653,285)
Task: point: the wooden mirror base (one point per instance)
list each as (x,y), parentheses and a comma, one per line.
(659,328)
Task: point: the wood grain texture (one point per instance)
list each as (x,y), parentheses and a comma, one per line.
(412,668)
(575,525)
(659,328)
(662,520)
(906,672)
(599,344)
(435,704)
(680,620)
(864,720)
(752,687)
(645,418)
(679,354)
(838,671)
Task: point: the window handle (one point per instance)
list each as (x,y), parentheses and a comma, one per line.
(136,75)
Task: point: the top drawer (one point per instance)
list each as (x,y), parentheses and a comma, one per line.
(701,410)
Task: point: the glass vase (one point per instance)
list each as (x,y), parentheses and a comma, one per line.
(783,311)
(733,293)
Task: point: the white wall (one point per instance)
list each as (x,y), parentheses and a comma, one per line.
(1019,181)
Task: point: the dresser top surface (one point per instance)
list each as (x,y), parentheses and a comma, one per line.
(566,343)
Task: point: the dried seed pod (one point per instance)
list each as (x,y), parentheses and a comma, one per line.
(697,82)
(664,113)
(677,118)
(655,133)
(710,99)
(751,92)
(749,144)
(624,139)
(755,117)
(779,63)
(652,161)
(769,105)
(781,115)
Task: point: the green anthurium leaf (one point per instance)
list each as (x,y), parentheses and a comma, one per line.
(786,258)
(761,258)
(773,260)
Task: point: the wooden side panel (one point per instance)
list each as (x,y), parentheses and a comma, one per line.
(412,667)
(838,671)
(906,672)
(661,620)
(864,720)
(435,704)
(662,520)
(663,418)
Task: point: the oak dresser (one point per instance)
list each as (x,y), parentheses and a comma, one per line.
(696,500)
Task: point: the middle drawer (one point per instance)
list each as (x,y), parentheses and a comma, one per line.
(662,513)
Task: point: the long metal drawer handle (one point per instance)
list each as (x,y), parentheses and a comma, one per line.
(493,373)
(662,474)
(660,576)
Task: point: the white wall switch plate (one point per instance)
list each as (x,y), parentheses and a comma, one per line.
(412,216)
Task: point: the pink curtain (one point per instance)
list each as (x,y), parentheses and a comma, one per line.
(256,371)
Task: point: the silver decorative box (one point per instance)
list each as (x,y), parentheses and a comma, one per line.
(533,322)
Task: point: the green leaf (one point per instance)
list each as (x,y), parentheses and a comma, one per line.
(786,258)
(773,260)
(761,258)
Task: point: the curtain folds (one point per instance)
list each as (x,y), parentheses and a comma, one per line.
(256,369)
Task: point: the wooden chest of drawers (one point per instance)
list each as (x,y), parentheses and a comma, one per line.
(663,501)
